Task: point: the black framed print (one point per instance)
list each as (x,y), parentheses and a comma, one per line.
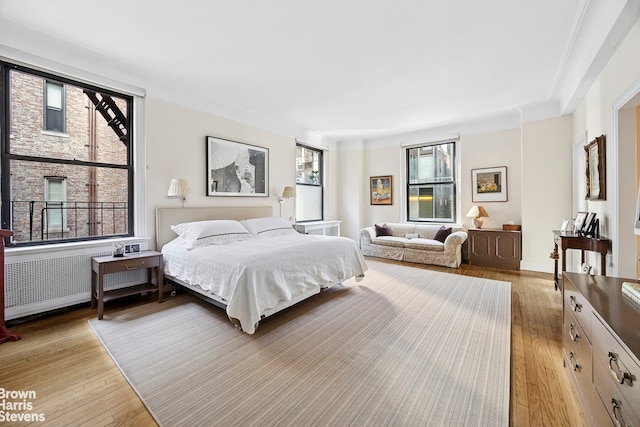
(236,169)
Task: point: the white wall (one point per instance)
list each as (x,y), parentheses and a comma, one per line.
(175,140)
(601,113)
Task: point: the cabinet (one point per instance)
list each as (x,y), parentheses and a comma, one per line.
(323,228)
(599,343)
(109,264)
(495,248)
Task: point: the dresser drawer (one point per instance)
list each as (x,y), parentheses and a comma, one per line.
(577,304)
(577,351)
(616,372)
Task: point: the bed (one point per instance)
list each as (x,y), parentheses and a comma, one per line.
(248,262)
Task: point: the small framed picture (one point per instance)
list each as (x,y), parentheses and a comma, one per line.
(380,190)
(489,184)
(578,222)
(565,225)
(588,222)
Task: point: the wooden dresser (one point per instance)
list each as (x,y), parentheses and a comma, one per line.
(601,342)
(494,248)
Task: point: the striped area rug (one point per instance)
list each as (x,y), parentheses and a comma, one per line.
(405,346)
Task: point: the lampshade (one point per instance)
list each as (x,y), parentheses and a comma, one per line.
(179,188)
(288,193)
(476,212)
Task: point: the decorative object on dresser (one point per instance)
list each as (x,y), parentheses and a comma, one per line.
(477,213)
(236,169)
(489,184)
(5,334)
(575,240)
(112,264)
(179,188)
(596,169)
(601,347)
(380,190)
(495,248)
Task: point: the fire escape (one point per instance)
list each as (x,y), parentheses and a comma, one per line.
(116,120)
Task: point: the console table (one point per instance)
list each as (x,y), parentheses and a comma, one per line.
(571,240)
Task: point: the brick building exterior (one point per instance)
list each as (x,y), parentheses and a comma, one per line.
(95,198)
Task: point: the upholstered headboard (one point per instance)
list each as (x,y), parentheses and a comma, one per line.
(166,217)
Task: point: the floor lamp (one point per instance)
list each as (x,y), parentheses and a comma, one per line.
(5,334)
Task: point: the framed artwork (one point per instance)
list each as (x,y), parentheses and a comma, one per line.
(380,190)
(489,184)
(596,173)
(579,221)
(236,169)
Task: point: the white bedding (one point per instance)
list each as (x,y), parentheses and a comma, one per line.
(253,276)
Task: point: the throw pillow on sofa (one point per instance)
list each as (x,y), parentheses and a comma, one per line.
(382,230)
(442,234)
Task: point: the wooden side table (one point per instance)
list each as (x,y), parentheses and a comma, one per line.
(110,264)
(570,240)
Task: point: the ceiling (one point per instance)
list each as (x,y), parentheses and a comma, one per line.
(337,69)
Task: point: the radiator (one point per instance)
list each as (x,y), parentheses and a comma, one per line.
(40,281)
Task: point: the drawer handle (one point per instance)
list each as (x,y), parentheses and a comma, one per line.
(575,305)
(575,336)
(618,414)
(130,267)
(617,373)
(572,361)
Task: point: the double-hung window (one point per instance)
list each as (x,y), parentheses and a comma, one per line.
(309,183)
(67,158)
(54,119)
(431,182)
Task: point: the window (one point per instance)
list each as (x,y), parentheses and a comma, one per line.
(431,182)
(54,195)
(54,107)
(309,183)
(73,183)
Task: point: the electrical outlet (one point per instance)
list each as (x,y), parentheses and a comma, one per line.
(132,248)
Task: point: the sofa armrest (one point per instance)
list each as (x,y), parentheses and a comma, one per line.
(366,235)
(454,240)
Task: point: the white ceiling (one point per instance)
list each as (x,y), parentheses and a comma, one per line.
(341,69)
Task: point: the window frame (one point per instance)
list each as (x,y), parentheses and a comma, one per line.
(320,184)
(46,107)
(5,149)
(453,182)
(47,191)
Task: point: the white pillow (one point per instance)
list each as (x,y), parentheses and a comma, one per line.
(268,227)
(214,232)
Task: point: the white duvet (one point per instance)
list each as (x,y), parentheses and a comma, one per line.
(255,275)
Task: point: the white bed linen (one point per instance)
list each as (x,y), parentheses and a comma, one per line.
(253,276)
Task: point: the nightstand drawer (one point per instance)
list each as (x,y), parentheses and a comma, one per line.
(131,264)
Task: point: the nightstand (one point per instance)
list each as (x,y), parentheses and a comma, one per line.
(109,264)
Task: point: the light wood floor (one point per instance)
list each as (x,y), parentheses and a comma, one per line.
(77,383)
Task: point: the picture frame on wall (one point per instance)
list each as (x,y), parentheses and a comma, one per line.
(236,169)
(596,169)
(380,190)
(489,184)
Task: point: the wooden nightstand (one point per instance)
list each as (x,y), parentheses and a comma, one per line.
(109,264)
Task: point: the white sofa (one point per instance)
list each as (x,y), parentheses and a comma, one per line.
(403,245)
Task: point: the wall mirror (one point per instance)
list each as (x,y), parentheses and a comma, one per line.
(596,173)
